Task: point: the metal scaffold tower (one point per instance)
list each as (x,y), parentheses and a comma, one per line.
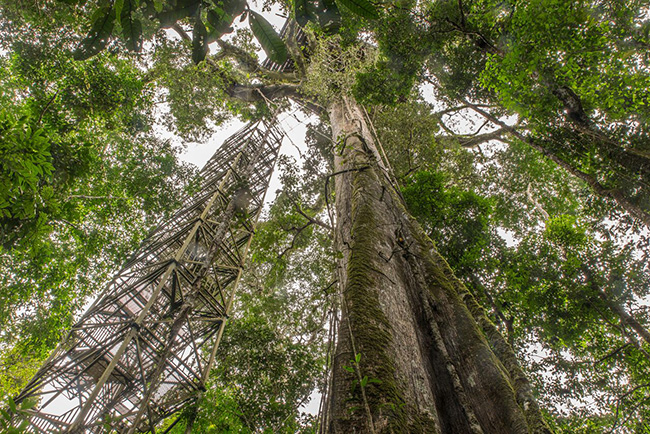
(144,349)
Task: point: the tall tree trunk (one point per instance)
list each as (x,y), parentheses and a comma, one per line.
(412,354)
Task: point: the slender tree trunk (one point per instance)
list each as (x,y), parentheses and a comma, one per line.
(412,354)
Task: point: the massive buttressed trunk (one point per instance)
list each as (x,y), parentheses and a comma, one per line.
(415,353)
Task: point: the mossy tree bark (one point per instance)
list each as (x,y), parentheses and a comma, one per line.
(415,353)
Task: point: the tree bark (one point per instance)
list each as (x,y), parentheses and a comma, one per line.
(412,354)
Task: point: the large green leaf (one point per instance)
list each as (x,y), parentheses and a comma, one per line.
(362,8)
(233,8)
(329,16)
(100,31)
(183,9)
(301,12)
(199,42)
(131,27)
(119,5)
(325,12)
(220,22)
(269,39)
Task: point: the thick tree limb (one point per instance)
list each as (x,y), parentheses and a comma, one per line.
(255,93)
(247,62)
(86,197)
(638,165)
(181,32)
(459,108)
(312,220)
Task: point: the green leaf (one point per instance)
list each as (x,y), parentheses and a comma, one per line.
(301,12)
(329,16)
(199,43)
(131,27)
(119,5)
(133,34)
(270,41)
(100,31)
(220,22)
(362,8)
(183,9)
(231,7)
(28,404)
(12,405)
(158,5)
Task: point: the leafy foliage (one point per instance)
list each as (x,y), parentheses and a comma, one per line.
(83,181)
(82,178)
(458,220)
(26,161)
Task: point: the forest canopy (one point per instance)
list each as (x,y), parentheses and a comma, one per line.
(515,133)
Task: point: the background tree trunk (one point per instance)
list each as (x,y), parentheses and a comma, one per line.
(411,352)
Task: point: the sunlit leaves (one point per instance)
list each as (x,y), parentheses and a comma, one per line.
(26,194)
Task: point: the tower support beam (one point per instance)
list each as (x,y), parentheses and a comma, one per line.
(145,347)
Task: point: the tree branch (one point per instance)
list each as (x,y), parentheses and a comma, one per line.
(254,93)
(538,207)
(72,225)
(459,108)
(249,64)
(313,220)
(473,141)
(181,32)
(293,241)
(618,196)
(83,196)
(47,106)
(257,93)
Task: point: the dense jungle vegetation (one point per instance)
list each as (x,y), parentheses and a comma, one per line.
(517,136)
